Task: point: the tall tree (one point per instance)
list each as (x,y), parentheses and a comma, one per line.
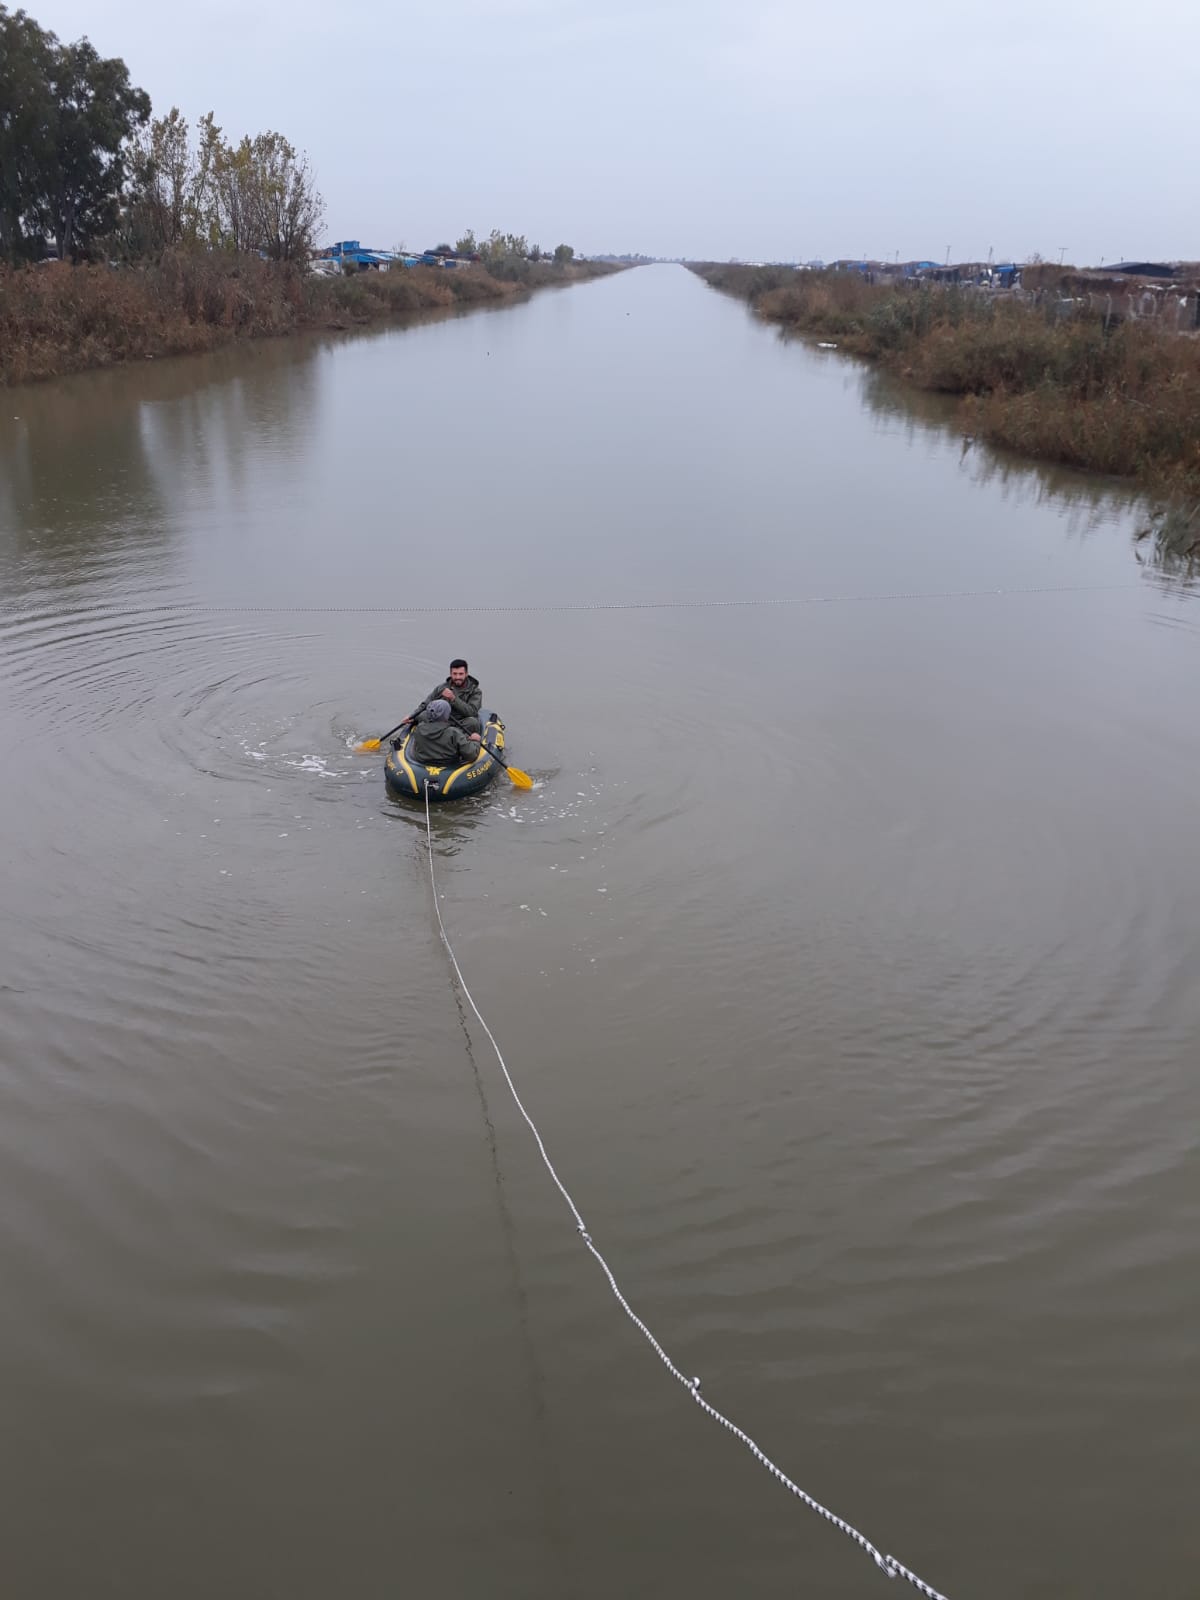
(259,194)
(232,199)
(209,145)
(81,161)
(498,245)
(96,110)
(26,129)
(162,210)
(286,209)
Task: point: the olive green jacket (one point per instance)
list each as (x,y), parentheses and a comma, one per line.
(441,744)
(466,703)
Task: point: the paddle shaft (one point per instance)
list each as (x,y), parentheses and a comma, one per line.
(521,779)
(485,749)
(384,737)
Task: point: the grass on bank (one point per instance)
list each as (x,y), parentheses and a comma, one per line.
(1122,399)
(60,318)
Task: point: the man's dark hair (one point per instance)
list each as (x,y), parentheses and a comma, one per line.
(458,662)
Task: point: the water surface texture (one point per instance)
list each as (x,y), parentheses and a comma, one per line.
(846,953)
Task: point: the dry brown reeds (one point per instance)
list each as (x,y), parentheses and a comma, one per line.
(58,318)
(1114,397)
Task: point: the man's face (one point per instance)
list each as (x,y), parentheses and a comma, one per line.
(458,676)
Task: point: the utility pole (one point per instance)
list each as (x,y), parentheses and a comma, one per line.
(1062,250)
(947,255)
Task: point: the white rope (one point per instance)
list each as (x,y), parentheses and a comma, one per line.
(204,608)
(886,1564)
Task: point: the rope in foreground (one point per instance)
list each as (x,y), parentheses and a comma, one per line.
(887,1564)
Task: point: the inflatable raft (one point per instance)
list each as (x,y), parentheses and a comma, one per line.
(407,776)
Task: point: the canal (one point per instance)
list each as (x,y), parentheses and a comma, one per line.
(844,953)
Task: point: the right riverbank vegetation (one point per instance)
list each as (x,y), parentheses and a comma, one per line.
(1048,374)
(125,237)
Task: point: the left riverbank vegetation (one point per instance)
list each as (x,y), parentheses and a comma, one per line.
(125,236)
(1047,371)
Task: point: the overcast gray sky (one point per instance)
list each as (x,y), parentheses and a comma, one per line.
(705,128)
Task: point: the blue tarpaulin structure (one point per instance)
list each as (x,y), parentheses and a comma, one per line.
(354,256)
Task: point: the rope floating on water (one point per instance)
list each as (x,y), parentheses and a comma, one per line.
(201,608)
(887,1564)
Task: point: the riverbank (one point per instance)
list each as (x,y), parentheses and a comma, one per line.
(1121,399)
(57,318)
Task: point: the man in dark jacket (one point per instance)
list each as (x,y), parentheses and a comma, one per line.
(461,693)
(438,742)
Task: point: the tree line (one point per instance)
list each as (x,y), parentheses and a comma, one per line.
(87,172)
(258,194)
(500,250)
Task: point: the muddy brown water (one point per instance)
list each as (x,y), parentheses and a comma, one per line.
(846,953)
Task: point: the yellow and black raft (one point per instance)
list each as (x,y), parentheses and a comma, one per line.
(408,777)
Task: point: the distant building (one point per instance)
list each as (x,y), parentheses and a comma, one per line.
(351,256)
(443,256)
(1144,269)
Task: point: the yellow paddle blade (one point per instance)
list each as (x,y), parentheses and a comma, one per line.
(368,744)
(521,780)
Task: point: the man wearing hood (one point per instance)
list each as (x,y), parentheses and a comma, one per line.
(461,693)
(438,741)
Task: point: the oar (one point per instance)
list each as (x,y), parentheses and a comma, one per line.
(519,779)
(373,744)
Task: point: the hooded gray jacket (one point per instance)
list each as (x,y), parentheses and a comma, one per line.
(441,744)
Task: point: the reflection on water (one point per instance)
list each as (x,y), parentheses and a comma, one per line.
(93,469)
(120,459)
(1092,500)
(1174,550)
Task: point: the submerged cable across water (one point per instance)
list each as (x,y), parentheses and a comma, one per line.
(886,1563)
(205,608)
